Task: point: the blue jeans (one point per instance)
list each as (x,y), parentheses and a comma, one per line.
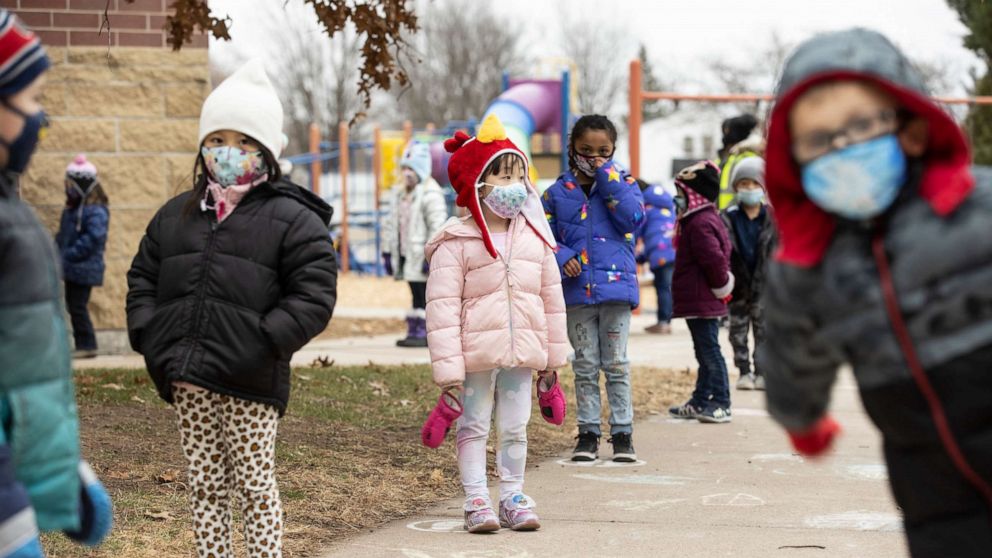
(712,384)
(598,334)
(663,286)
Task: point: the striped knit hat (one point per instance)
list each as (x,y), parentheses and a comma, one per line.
(22,59)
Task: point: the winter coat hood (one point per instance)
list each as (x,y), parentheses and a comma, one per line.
(856,54)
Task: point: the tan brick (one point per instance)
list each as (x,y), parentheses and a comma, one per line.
(164,74)
(159,136)
(53,99)
(184,100)
(127,227)
(49,215)
(133,180)
(44,182)
(138,56)
(179,173)
(84,73)
(56,55)
(75,135)
(108,302)
(115,100)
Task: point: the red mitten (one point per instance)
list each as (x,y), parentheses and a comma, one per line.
(818,438)
(446,412)
(551,399)
(727,299)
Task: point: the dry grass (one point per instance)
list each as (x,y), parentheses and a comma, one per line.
(349,455)
(357,327)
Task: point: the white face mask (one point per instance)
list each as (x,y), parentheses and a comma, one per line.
(506,201)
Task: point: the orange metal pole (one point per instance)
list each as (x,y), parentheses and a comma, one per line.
(343,165)
(377,162)
(315,164)
(407,131)
(636,100)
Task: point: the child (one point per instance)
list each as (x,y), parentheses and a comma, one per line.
(657,233)
(81,239)
(417,212)
(594,210)
(230,280)
(495,314)
(701,288)
(44,486)
(884,265)
(751,228)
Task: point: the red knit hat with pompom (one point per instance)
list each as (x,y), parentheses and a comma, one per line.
(469,158)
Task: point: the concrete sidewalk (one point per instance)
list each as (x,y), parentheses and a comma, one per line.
(702,490)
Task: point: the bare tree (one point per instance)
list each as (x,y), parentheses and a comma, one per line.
(317,73)
(599,50)
(460,55)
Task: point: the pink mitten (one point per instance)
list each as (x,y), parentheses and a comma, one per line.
(447,411)
(551,399)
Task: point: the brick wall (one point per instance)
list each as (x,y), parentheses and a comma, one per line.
(133,110)
(77,22)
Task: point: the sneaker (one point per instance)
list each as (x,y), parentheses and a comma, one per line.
(481,518)
(746,382)
(84,353)
(659,329)
(516,514)
(587,448)
(684,411)
(759,382)
(623,448)
(714,415)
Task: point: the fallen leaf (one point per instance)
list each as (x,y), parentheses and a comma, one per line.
(159,515)
(405,402)
(115,387)
(168,476)
(379,388)
(304,377)
(138,399)
(117,475)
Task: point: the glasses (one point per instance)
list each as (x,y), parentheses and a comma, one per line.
(857,130)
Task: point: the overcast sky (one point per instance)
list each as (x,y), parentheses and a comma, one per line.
(682,36)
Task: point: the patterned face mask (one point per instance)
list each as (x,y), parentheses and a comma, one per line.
(229,166)
(507,201)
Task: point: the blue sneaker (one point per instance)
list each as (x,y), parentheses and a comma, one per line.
(684,411)
(715,415)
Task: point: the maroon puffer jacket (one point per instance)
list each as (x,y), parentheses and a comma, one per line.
(702,266)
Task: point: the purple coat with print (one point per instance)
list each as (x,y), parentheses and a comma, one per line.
(702,269)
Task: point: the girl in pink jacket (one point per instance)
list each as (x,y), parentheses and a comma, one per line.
(495,314)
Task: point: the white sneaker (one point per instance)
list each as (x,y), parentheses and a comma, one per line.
(759,383)
(747,382)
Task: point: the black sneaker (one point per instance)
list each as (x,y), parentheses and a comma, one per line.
(623,448)
(684,411)
(715,415)
(587,449)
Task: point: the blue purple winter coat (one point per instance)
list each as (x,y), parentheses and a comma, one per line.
(82,239)
(658,228)
(599,231)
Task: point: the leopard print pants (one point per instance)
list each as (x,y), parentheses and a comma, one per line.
(229,445)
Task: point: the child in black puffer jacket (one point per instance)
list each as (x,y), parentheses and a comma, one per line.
(231,279)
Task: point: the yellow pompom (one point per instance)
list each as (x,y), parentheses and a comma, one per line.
(491,130)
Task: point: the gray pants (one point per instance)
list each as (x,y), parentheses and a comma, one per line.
(745,313)
(598,334)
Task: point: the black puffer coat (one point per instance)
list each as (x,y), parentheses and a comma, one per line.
(224,306)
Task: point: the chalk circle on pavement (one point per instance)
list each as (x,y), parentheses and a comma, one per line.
(438,526)
(601,464)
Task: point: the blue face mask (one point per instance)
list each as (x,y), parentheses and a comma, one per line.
(751,197)
(859,181)
(507,201)
(20,150)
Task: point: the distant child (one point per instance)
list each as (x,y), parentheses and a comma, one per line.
(232,278)
(82,239)
(595,209)
(658,234)
(701,288)
(44,485)
(495,315)
(417,212)
(886,265)
(751,226)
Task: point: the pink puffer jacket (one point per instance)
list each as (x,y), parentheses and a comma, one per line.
(484,313)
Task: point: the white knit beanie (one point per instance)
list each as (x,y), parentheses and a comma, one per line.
(245,102)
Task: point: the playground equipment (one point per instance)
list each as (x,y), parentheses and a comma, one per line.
(638,95)
(352,175)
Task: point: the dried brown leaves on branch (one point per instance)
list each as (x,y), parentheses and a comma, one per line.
(379,23)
